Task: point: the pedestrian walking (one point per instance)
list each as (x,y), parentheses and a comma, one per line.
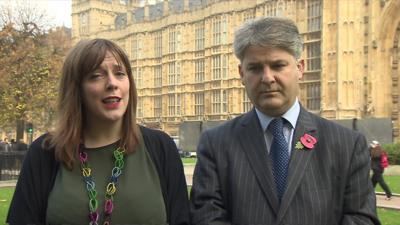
(377,155)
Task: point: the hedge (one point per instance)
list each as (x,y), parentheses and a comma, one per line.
(393,151)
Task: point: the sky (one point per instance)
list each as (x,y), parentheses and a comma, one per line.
(58,11)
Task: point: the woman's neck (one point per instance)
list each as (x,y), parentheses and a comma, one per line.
(101,134)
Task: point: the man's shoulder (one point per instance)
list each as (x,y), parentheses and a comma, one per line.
(330,125)
(228,125)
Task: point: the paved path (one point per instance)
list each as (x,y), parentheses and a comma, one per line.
(393,203)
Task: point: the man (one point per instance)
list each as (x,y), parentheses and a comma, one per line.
(279,164)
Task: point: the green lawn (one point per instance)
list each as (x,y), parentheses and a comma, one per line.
(189,161)
(389,217)
(393,182)
(5,198)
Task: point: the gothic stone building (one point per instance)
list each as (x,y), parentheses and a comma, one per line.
(185,70)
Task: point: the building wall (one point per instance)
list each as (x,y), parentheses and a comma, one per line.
(350,50)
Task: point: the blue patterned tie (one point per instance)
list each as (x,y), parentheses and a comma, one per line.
(279,153)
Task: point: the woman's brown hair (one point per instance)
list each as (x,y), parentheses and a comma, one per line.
(83,59)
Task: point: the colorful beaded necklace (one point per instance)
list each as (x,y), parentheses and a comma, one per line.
(111,187)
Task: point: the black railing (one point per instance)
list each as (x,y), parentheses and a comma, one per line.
(10,164)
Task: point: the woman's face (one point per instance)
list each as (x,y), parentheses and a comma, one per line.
(106,92)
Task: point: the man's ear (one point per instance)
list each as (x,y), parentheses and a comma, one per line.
(300,67)
(241,73)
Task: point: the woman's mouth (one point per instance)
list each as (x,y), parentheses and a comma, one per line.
(111,102)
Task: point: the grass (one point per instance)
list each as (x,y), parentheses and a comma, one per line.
(388,216)
(5,199)
(189,161)
(393,182)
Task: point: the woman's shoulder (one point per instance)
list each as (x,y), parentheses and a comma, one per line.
(154,134)
(158,143)
(40,147)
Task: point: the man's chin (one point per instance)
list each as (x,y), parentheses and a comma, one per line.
(273,109)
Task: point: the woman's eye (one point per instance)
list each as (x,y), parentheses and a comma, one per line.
(121,73)
(95,76)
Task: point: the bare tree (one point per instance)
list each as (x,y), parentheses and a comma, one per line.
(23,15)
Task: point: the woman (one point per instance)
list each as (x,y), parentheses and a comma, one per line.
(98,166)
(377,169)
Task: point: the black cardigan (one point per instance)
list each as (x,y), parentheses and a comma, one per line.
(39,170)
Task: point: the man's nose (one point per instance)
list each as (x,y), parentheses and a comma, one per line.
(268,75)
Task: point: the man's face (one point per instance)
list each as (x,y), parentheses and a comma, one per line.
(270,76)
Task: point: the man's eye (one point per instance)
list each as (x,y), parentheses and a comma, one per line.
(278,66)
(254,68)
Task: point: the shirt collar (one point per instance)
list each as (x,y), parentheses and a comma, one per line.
(291,116)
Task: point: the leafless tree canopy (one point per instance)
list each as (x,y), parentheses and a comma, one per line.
(24,15)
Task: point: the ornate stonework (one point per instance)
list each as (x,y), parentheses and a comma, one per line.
(181,54)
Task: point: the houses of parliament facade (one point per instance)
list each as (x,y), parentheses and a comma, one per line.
(183,63)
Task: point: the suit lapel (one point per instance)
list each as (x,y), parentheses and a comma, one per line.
(299,159)
(252,142)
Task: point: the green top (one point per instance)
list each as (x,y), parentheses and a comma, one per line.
(138,199)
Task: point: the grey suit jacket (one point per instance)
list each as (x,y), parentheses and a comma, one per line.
(327,185)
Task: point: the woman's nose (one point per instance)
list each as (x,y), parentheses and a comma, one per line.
(111,82)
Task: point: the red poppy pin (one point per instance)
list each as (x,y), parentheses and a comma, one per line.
(306,142)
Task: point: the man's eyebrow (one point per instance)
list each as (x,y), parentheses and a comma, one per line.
(268,62)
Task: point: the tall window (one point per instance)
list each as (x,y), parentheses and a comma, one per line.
(219,66)
(178,104)
(199,36)
(158,44)
(158,76)
(199,103)
(313,56)
(224,66)
(174,104)
(216,67)
(224,102)
(216,102)
(171,40)
(84,23)
(178,72)
(224,30)
(157,106)
(314,10)
(137,76)
(178,39)
(246,102)
(313,96)
(137,47)
(219,30)
(171,105)
(199,70)
(171,73)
